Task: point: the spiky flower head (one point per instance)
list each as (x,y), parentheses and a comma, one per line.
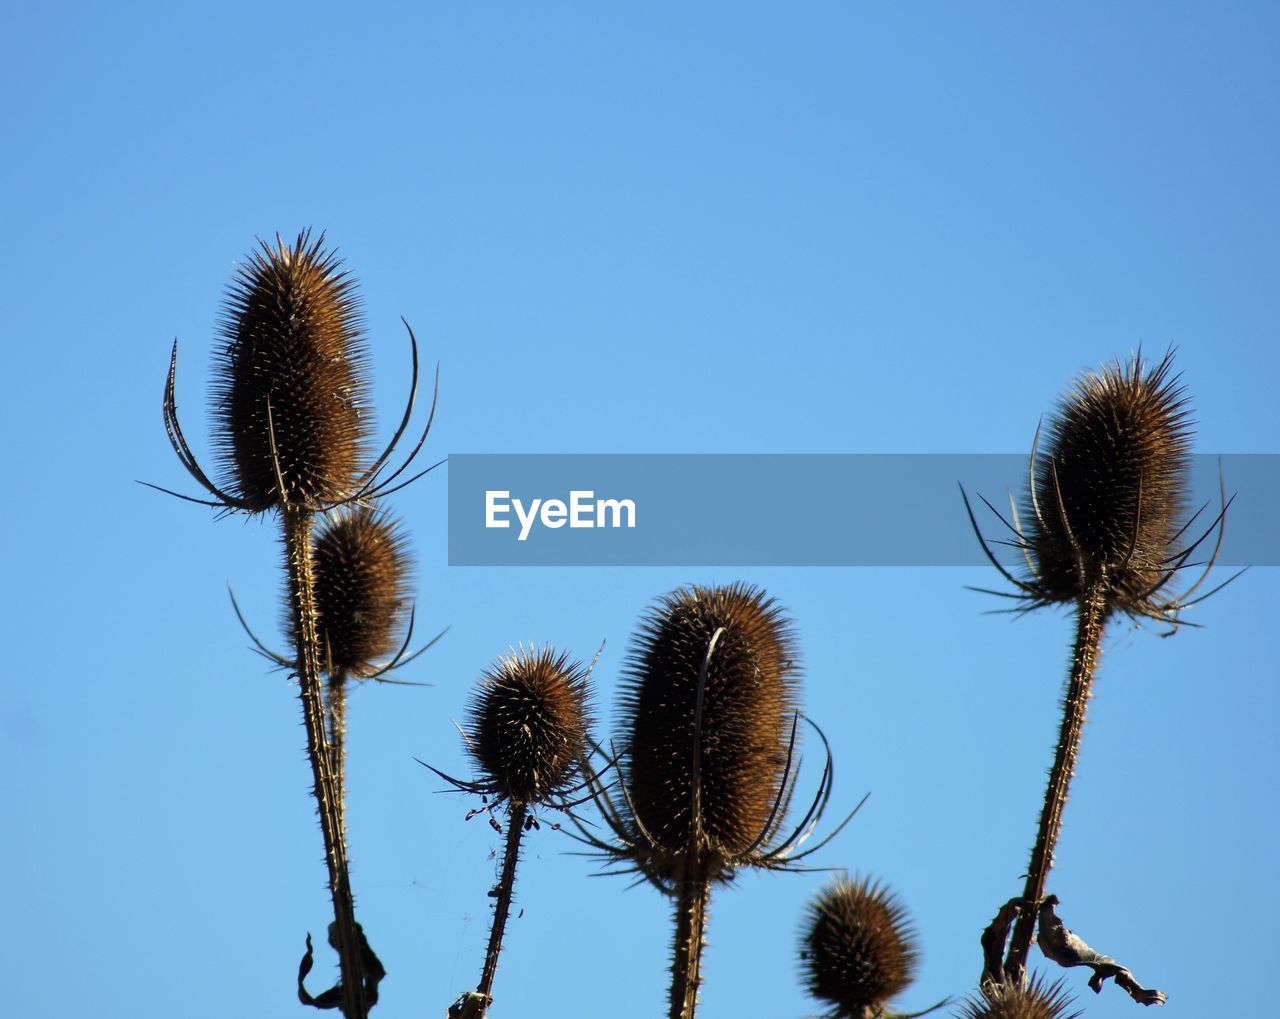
(362,573)
(291,397)
(1110,486)
(709,696)
(858,948)
(528,725)
(1037,999)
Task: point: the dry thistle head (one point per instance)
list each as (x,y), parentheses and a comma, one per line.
(291,393)
(709,701)
(362,571)
(1108,496)
(858,949)
(528,726)
(1012,1000)
(1110,489)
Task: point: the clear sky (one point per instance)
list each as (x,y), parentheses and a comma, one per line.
(671,228)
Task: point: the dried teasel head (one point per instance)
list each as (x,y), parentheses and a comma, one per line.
(710,695)
(1108,494)
(291,392)
(362,572)
(857,949)
(1110,490)
(1036,999)
(528,726)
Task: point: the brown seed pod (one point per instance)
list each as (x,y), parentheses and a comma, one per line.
(362,571)
(708,722)
(291,393)
(528,724)
(1010,1000)
(857,949)
(1110,487)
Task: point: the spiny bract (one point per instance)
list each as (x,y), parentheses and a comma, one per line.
(529,725)
(857,949)
(291,390)
(362,570)
(748,706)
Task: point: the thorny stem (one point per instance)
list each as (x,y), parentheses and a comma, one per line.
(1092,611)
(502,907)
(302,606)
(337,712)
(693,894)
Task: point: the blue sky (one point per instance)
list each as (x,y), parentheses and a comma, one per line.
(729,228)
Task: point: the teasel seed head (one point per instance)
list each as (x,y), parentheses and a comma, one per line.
(1012,1000)
(857,949)
(738,719)
(528,725)
(291,393)
(1110,485)
(362,573)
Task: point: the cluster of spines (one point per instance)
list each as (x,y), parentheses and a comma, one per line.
(710,693)
(1109,488)
(1014,999)
(362,574)
(858,949)
(291,396)
(528,725)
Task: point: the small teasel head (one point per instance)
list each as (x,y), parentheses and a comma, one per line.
(1109,490)
(362,572)
(709,701)
(1107,501)
(857,948)
(1010,999)
(291,397)
(528,726)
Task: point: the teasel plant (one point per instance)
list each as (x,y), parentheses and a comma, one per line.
(292,411)
(708,760)
(527,732)
(859,950)
(363,571)
(1107,512)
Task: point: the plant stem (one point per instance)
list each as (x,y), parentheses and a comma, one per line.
(302,606)
(337,705)
(693,894)
(501,908)
(1091,619)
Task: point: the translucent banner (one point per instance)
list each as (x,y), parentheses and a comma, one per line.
(792,510)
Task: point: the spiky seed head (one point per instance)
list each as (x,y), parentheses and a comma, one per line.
(293,371)
(858,948)
(362,573)
(529,722)
(749,702)
(1011,1000)
(1118,452)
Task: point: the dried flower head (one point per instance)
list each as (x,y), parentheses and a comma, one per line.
(1108,495)
(1013,1000)
(858,949)
(709,695)
(528,728)
(708,765)
(291,397)
(362,571)
(1111,489)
